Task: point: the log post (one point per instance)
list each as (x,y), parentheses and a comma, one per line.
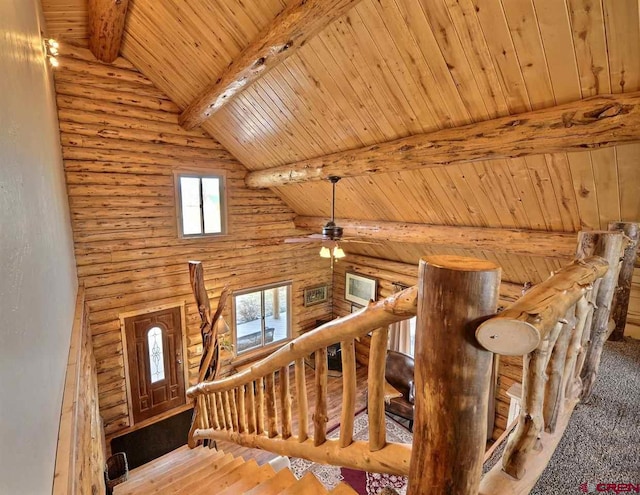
(452,374)
(623,291)
(349,392)
(610,246)
(320,417)
(285,402)
(554,392)
(301,397)
(375,383)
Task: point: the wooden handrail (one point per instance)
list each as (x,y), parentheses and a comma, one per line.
(521,327)
(253,408)
(398,307)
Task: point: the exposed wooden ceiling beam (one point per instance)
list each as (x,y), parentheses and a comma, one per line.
(595,122)
(106,25)
(514,241)
(291,29)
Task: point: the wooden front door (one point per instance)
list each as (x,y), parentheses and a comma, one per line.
(154,351)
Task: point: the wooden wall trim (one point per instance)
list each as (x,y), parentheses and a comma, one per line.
(599,121)
(80,451)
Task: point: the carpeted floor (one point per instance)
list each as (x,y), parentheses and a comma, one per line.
(363,483)
(602,442)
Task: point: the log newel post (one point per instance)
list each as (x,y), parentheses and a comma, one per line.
(452,374)
(610,246)
(623,291)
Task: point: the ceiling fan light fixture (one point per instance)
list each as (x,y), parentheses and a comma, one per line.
(338,252)
(325,252)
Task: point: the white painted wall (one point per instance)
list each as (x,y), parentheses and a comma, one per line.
(37,267)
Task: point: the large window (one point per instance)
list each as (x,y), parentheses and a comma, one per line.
(201,204)
(261,317)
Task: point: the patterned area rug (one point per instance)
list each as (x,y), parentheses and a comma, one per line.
(362,482)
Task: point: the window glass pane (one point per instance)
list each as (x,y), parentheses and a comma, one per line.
(190,195)
(412,332)
(248,310)
(251,310)
(156,354)
(276,321)
(211,205)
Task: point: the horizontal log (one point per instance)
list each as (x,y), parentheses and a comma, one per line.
(520,328)
(115,133)
(290,30)
(141,146)
(98,69)
(69,49)
(119,97)
(596,122)
(523,242)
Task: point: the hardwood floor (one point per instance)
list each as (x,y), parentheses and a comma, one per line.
(334,409)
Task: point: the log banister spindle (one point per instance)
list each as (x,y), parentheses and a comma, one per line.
(554,392)
(285,402)
(452,375)
(260,384)
(375,379)
(242,410)
(582,308)
(349,392)
(251,407)
(320,417)
(270,406)
(301,397)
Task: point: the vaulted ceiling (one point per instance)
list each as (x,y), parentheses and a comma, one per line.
(394,68)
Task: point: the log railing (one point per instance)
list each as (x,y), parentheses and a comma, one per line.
(254,407)
(559,327)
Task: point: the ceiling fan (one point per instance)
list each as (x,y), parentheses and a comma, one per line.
(331,233)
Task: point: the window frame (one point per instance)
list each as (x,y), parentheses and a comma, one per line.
(196,174)
(262,288)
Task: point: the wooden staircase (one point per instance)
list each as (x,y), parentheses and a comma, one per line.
(202,471)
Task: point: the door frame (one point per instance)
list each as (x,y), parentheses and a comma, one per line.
(125,355)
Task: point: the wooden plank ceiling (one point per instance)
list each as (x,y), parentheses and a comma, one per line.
(393,68)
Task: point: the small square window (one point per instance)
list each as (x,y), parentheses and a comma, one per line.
(201,204)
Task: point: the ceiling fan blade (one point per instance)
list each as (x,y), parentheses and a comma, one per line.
(310,238)
(361,241)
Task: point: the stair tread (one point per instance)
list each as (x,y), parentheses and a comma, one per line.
(171,472)
(263,473)
(201,475)
(281,481)
(179,455)
(307,485)
(193,485)
(220,483)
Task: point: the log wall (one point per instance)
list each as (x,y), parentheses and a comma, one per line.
(121,145)
(387,272)
(80,454)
